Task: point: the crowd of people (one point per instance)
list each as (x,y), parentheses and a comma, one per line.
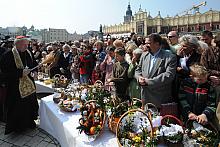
(160,70)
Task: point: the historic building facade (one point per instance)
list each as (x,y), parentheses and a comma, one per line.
(144,24)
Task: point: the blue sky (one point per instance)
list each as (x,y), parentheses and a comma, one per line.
(84,15)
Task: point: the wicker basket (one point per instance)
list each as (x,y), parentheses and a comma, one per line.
(66,109)
(113,121)
(99,84)
(210,126)
(60,81)
(166,120)
(151,108)
(127,113)
(94,136)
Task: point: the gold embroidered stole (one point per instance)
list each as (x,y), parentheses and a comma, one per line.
(26,85)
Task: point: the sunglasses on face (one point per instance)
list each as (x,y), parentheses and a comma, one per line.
(171,36)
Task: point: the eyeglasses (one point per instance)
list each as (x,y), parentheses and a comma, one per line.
(170,36)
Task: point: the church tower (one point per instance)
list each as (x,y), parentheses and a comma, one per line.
(128,16)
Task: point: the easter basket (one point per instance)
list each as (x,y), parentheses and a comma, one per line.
(115,116)
(202,135)
(171,131)
(134,129)
(93,119)
(60,81)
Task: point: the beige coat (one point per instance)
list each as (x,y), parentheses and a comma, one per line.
(218,113)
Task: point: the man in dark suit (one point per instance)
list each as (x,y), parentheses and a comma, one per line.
(155,72)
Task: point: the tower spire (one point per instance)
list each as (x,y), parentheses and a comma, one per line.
(140,8)
(128,16)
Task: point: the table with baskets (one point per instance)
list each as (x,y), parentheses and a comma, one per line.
(62,125)
(78,115)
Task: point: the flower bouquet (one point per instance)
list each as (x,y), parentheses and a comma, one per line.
(118,109)
(171,131)
(93,119)
(206,135)
(134,129)
(98,93)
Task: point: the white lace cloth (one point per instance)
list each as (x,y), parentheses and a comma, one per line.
(172,130)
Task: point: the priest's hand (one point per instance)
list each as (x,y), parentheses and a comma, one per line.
(34,75)
(26,71)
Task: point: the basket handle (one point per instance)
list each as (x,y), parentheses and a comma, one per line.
(98,82)
(146,107)
(173,117)
(90,101)
(135,99)
(134,110)
(62,77)
(121,104)
(56,76)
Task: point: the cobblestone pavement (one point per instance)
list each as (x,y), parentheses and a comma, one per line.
(30,138)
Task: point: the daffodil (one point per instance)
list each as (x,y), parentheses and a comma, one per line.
(136,139)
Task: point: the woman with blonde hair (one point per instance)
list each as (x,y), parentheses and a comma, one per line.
(129,52)
(118,43)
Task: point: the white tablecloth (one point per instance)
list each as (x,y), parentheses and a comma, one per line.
(43,88)
(62,126)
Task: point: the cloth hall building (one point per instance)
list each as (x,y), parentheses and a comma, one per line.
(144,24)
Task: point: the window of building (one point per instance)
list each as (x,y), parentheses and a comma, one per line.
(217,27)
(165,31)
(153,30)
(182,29)
(203,28)
(192,28)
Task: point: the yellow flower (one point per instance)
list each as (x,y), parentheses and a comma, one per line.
(137,139)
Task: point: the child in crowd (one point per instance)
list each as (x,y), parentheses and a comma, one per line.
(85,65)
(120,74)
(75,69)
(197,96)
(96,74)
